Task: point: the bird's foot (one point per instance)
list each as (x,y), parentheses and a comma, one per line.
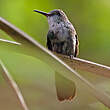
(71,56)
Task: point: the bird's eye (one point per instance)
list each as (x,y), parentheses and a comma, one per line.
(58,13)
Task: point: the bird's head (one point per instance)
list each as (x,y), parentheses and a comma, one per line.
(55,16)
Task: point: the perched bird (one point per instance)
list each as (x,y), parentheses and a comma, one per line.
(62,38)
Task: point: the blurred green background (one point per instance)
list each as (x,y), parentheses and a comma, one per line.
(91,18)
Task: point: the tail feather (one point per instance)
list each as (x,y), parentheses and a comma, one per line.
(65,88)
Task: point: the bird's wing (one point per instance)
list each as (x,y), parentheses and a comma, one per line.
(77,46)
(73,34)
(50,36)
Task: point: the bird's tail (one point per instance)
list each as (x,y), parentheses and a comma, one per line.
(65,88)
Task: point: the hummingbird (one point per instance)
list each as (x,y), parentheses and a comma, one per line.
(62,38)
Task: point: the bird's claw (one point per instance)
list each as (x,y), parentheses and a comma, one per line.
(71,56)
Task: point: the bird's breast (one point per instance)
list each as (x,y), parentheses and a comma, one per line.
(60,31)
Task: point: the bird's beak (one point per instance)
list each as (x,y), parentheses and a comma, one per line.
(43,13)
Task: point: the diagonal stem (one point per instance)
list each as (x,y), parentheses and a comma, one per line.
(13,85)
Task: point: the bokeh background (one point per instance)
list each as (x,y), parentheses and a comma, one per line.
(91,18)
